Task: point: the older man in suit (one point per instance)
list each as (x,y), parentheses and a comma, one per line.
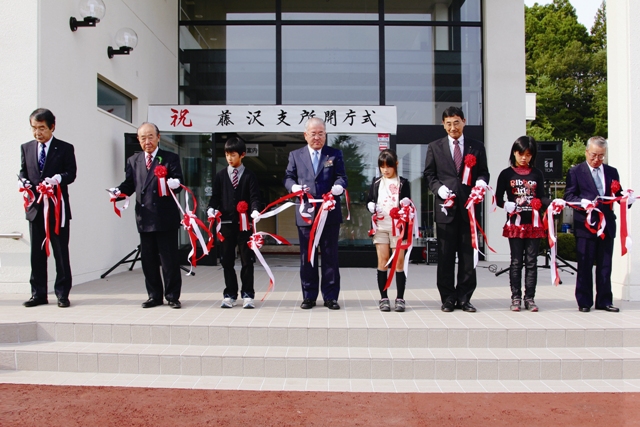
(444,170)
(157,217)
(585,182)
(50,160)
(320,169)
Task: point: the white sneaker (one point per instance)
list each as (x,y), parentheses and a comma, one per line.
(248,303)
(228,302)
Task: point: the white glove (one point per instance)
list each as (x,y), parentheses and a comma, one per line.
(115,191)
(54,180)
(295,188)
(372,207)
(337,190)
(631,198)
(481,183)
(443,192)
(211,212)
(173,183)
(510,207)
(255,214)
(405,201)
(24,184)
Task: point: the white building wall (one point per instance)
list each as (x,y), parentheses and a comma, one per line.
(623,55)
(56,68)
(504,107)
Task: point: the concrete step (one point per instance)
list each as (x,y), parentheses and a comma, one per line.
(478,336)
(325,362)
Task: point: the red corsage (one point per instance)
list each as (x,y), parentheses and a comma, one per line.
(243,219)
(160,171)
(470,160)
(536,204)
(615,186)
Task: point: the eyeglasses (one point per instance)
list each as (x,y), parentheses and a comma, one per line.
(594,156)
(319,134)
(144,138)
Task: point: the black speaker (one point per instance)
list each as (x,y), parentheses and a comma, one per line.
(549,160)
(131,146)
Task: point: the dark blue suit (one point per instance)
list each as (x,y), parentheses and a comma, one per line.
(331,171)
(589,247)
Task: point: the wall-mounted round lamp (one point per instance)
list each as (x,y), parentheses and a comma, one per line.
(126,40)
(92,11)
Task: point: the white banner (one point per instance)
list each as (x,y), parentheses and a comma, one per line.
(272,118)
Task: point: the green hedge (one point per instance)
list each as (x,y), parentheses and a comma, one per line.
(566,246)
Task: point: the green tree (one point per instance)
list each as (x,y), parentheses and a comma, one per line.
(564,65)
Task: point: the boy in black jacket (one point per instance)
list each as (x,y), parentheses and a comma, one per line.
(235,191)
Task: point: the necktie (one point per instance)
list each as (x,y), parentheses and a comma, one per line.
(149,160)
(457,155)
(316,160)
(42,158)
(234,178)
(597,182)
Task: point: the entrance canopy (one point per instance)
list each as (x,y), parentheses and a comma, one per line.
(272,118)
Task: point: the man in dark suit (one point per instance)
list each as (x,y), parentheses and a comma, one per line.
(444,170)
(585,182)
(50,160)
(320,169)
(157,217)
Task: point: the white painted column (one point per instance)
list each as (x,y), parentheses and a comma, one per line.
(623,56)
(504,99)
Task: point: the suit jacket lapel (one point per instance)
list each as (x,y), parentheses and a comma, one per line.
(306,159)
(144,175)
(32,159)
(447,154)
(52,153)
(321,161)
(589,178)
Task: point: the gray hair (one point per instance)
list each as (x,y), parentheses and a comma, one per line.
(312,121)
(598,141)
(149,123)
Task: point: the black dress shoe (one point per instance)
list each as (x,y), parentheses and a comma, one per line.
(584,309)
(332,304)
(151,303)
(468,307)
(35,301)
(307,304)
(609,308)
(63,302)
(174,304)
(448,306)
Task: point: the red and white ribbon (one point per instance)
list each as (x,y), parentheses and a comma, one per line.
(476,197)
(114,199)
(256,241)
(404,220)
(624,200)
(328,204)
(192,224)
(27,195)
(448,203)
(47,193)
(595,228)
(555,208)
(216,219)
(469,163)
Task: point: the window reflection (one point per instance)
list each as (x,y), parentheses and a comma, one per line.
(330,64)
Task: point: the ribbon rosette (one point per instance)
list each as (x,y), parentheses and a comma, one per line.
(469,162)
(243,218)
(555,208)
(615,187)
(403,219)
(536,205)
(160,172)
(476,197)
